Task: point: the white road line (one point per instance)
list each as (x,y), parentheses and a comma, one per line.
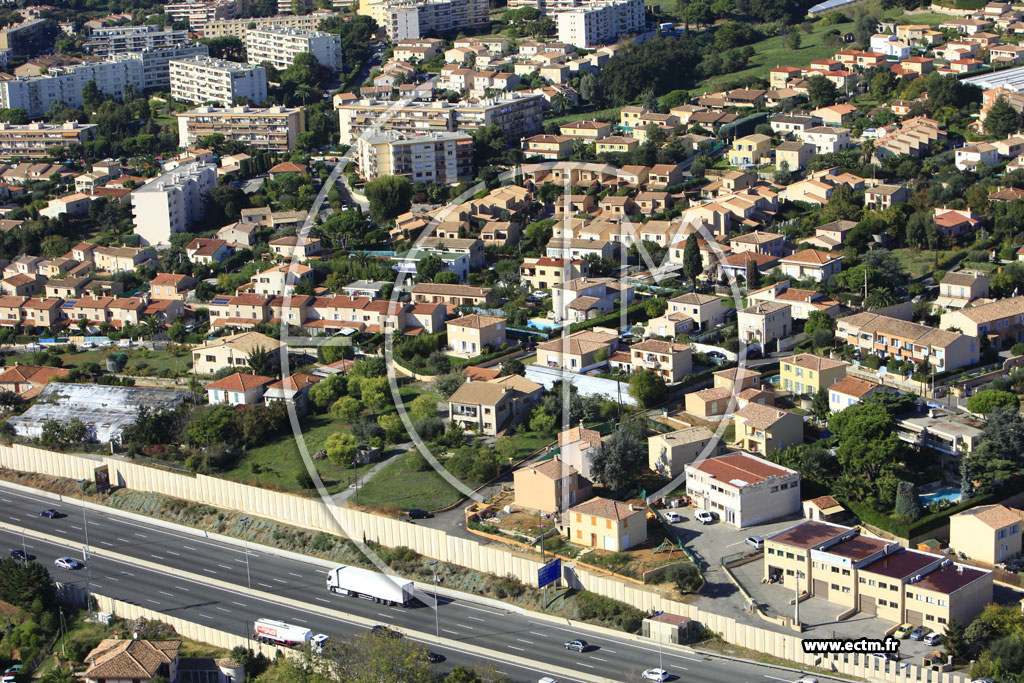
(107,543)
(123,540)
(265,585)
(598,659)
(156,557)
(294,574)
(301,621)
(171,552)
(240,604)
(113,578)
(224,566)
(7,500)
(223,609)
(520,640)
(96,585)
(464,626)
(188,547)
(589,666)
(152,601)
(477,619)
(61,531)
(182,589)
(76,527)
(604,649)
(323,600)
(235,559)
(205,616)
(774,678)
(386,616)
(513,647)
(142,535)
(170,595)
(128,573)
(208,570)
(16,519)
(279,580)
(447,631)
(479,609)
(542,635)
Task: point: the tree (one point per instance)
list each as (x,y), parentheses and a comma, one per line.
(868,445)
(260,361)
(389,196)
(955,641)
(793,41)
(819,404)
(428,268)
(489,145)
(966,479)
(1002,120)
(370,657)
(908,505)
(647,387)
(212,424)
(821,91)
(341,448)
(752,275)
(326,392)
(655,307)
(446,385)
(918,227)
(92,98)
(686,577)
(541,421)
(819,320)
(693,266)
(987,400)
(347,409)
(619,460)
(424,406)
(512,366)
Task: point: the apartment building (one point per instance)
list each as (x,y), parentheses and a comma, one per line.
(279,45)
(443,158)
(890,337)
(670,360)
(743,489)
(34,139)
(156,62)
(601,21)
(201,80)
(119,40)
(518,115)
(240,27)
(807,373)
(1001,321)
(29,38)
(452,296)
(875,576)
(273,128)
(545,272)
(172,202)
(405,19)
(199,12)
(763,429)
(64,84)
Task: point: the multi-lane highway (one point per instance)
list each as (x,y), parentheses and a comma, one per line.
(523,646)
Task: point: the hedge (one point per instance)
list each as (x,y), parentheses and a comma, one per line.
(634,314)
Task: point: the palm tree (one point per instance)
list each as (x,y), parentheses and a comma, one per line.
(151,326)
(879,297)
(59,674)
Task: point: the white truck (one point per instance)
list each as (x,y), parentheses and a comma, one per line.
(361,583)
(287,635)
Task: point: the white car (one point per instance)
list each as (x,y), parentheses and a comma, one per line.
(933,639)
(68,563)
(704,517)
(316,643)
(655,675)
(755,542)
(673,517)
(88,345)
(540,294)
(808,679)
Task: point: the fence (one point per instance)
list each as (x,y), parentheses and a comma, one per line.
(318,516)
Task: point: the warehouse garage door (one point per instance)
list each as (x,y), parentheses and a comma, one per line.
(915,618)
(820,589)
(867,605)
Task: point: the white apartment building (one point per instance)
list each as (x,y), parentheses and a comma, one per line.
(743,489)
(404,19)
(156,62)
(600,22)
(240,27)
(445,158)
(274,128)
(201,80)
(34,139)
(119,40)
(199,12)
(170,203)
(37,94)
(280,45)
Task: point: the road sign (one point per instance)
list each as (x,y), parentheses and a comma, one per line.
(549,573)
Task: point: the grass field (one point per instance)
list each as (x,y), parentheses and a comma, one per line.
(140,361)
(917,262)
(404,485)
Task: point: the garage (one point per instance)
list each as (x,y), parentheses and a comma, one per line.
(867,605)
(915,618)
(820,589)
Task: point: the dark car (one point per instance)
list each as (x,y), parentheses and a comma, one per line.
(385,632)
(417,513)
(919,632)
(435,658)
(578,645)
(49,512)
(19,554)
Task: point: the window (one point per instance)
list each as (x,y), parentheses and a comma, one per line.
(608,523)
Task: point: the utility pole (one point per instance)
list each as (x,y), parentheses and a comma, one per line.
(85,550)
(796,615)
(437,605)
(540,521)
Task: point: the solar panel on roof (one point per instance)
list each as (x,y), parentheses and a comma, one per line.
(220,300)
(68,304)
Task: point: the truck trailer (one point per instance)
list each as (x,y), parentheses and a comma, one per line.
(361,583)
(286,635)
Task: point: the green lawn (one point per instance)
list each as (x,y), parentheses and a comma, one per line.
(279,462)
(917,262)
(930,18)
(404,485)
(140,361)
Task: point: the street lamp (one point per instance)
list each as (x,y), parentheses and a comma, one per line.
(85,550)
(245,540)
(661,659)
(799,575)
(437,620)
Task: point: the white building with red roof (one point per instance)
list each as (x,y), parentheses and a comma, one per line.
(743,489)
(238,389)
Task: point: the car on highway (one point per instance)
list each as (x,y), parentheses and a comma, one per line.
(547,679)
(19,554)
(68,563)
(655,675)
(49,512)
(902,632)
(673,517)
(933,639)
(919,633)
(807,679)
(755,542)
(579,645)
(385,632)
(705,516)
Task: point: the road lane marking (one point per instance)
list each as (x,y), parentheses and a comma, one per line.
(157,557)
(142,535)
(447,631)
(294,574)
(16,519)
(265,585)
(280,580)
(208,570)
(240,604)
(223,566)
(128,573)
(590,666)
(513,647)
(96,585)
(152,601)
(598,659)
(386,616)
(520,640)
(205,616)
(76,527)
(464,626)
(106,543)
(477,619)
(323,600)
(123,540)
(170,595)
(188,547)
(182,589)
(171,552)
(774,678)
(224,609)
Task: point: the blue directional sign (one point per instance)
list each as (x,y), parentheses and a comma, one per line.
(549,573)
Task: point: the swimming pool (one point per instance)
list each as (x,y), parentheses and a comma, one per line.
(945,494)
(542,324)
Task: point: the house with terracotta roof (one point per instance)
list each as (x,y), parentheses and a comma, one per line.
(232,351)
(171,286)
(768,243)
(291,247)
(495,405)
(293,390)
(743,490)
(958,289)
(836,114)
(669,454)
(807,373)
(849,391)
(943,349)
(286,167)
(473,335)
(764,322)
(687,312)
(586,298)
(26,380)
(579,352)
(802,302)
(547,271)
(823,509)
(208,251)
(452,296)
(763,429)
(956,222)
(671,360)
(1002,321)
(811,264)
(606,524)
(550,486)
(238,389)
(830,235)
(22,285)
(577,447)
(986,533)
(280,280)
(132,659)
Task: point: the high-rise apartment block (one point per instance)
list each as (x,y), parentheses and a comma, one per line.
(29,38)
(200,12)
(34,139)
(600,22)
(280,45)
(241,27)
(172,202)
(273,128)
(118,40)
(444,158)
(156,62)
(203,79)
(403,19)
(64,84)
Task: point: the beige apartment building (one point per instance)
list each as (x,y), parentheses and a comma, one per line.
(546,272)
(890,337)
(441,157)
(240,27)
(874,576)
(763,323)
(493,406)
(36,138)
(669,454)
(473,335)
(763,429)
(670,360)
(273,128)
(1001,321)
(606,524)
(403,19)
(579,352)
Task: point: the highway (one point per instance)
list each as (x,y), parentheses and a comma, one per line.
(507,634)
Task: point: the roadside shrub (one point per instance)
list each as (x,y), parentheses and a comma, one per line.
(686,577)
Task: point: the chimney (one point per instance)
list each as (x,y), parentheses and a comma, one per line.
(959,569)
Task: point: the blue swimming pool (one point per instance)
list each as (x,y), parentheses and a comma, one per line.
(945,494)
(542,324)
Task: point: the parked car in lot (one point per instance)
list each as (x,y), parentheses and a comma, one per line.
(705,517)
(68,563)
(933,639)
(578,645)
(919,633)
(903,631)
(11,674)
(673,517)
(755,542)
(417,513)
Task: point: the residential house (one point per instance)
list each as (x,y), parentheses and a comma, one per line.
(232,351)
(292,247)
(764,323)
(969,157)
(881,197)
(807,373)
(750,150)
(171,287)
(293,390)
(28,380)
(208,251)
(764,429)
(579,352)
(138,660)
(587,298)
(551,147)
(493,406)
(768,243)
(960,288)
(672,361)
(550,487)
(802,302)
(1002,321)
(742,489)
(577,447)
(886,336)
(811,264)
(956,222)
(986,533)
(238,389)
(826,139)
(830,235)
(473,335)
(836,114)
(669,454)
(545,272)
(452,296)
(849,391)
(606,524)
(793,155)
